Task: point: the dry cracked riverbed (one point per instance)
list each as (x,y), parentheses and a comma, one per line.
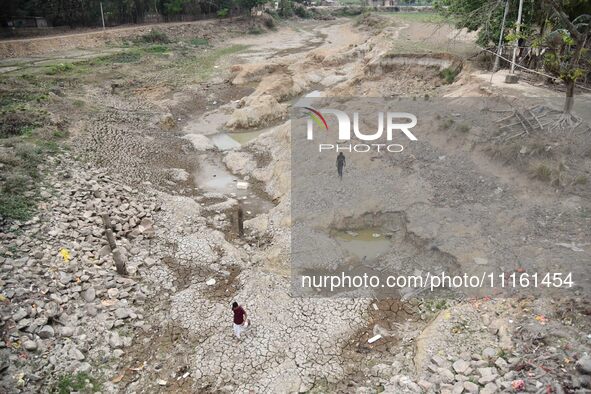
(163,154)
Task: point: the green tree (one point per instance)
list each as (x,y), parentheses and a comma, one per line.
(285,8)
(248,5)
(567,57)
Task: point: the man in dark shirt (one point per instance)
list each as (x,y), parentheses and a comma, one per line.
(340,164)
(240,321)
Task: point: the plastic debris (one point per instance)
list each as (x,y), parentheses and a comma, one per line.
(242,185)
(162,382)
(518,385)
(374,338)
(542,319)
(65,253)
(210,282)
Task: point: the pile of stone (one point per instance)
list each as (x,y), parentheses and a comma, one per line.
(63,307)
(583,378)
(485,373)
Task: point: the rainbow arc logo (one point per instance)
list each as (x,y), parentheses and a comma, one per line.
(317,117)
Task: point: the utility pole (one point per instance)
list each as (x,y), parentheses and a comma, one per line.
(102,15)
(517,29)
(500,46)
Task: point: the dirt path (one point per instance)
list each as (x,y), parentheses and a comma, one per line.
(40,46)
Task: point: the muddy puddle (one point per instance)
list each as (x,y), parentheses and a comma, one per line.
(228,141)
(366,244)
(214,177)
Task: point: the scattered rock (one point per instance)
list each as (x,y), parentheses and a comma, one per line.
(460,366)
(489,388)
(30,345)
(121,313)
(89,294)
(115,340)
(67,331)
(46,332)
(584,365)
(489,352)
(19,315)
(471,387)
(76,354)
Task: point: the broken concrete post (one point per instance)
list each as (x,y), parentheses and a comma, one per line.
(239,221)
(109,231)
(117,256)
(120,262)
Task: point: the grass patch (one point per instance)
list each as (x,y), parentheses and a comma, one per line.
(156,49)
(26,139)
(16,206)
(128,56)
(423,17)
(463,128)
(19,121)
(449,75)
(198,42)
(201,65)
(81,382)
(580,180)
(21,181)
(60,68)
(447,123)
(153,37)
(542,172)
(435,305)
(255,30)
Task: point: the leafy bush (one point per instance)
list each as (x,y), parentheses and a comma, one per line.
(268,21)
(18,122)
(60,68)
(223,13)
(273,13)
(154,37)
(449,75)
(285,8)
(301,11)
(350,11)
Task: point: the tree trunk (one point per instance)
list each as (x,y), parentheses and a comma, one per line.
(570,96)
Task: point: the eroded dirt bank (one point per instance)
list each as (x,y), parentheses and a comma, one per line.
(162,153)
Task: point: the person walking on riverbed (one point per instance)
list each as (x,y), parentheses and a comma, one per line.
(340,164)
(240,321)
